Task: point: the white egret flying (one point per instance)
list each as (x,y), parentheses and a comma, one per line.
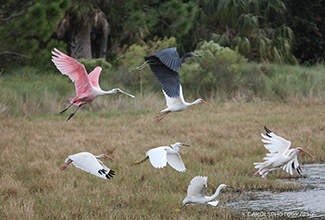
(160,156)
(196,193)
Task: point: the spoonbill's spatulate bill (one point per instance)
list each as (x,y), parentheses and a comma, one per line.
(164,64)
(196,193)
(160,156)
(87,86)
(280,155)
(90,163)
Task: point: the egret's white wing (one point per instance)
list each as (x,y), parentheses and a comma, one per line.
(88,162)
(275,144)
(213,203)
(176,162)
(197,186)
(158,157)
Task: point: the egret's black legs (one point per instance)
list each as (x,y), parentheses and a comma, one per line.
(177,210)
(144,160)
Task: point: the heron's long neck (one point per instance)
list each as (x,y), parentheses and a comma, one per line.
(184,59)
(209,198)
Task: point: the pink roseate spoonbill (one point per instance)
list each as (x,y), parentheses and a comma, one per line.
(87,86)
(280,155)
(90,163)
(164,64)
(160,156)
(196,193)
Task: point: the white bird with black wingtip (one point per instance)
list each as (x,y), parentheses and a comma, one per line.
(280,155)
(90,163)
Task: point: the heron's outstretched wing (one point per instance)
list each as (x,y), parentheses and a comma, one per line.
(168,79)
(170,58)
(176,162)
(158,157)
(88,163)
(197,186)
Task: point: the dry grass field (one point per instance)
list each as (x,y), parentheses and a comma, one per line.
(225,141)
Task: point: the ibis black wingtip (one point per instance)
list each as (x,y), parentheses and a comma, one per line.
(267,130)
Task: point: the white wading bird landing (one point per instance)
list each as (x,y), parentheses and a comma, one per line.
(280,155)
(159,157)
(90,163)
(196,193)
(87,86)
(164,64)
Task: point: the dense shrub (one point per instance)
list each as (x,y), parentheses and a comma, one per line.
(218,70)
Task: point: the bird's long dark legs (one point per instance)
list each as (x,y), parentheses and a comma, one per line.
(67,107)
(74,111)
(162,116)
(138,68)
(66,164)
(177,210)
(141,161)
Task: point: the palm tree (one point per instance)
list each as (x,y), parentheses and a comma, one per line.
(254,28)
(83,26)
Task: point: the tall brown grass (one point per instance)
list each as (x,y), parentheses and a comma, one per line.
(225,141)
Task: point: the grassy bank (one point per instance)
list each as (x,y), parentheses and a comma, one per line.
(225,141)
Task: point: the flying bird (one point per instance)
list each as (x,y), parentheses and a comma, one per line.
(280,155)
(87,86)
(90,163)
(164,64)
(196,193)
(160,156)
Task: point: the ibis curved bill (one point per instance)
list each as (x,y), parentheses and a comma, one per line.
(90,163)
(87,86)
(280,155)
(164,64)
(196,193)
(160,156)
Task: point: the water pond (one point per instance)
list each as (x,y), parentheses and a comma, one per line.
(307,203)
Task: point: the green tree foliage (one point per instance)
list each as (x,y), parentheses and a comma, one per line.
(26,29)
(307,20)
(218,71)
(254,28)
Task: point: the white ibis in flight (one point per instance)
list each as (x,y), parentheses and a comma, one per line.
(164,64)
(196,193)
(160,156)
(90,163)
(87,86)
(280,155)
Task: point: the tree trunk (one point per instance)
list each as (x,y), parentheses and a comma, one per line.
(80,47)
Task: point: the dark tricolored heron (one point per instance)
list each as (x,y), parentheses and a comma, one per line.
(164,64)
